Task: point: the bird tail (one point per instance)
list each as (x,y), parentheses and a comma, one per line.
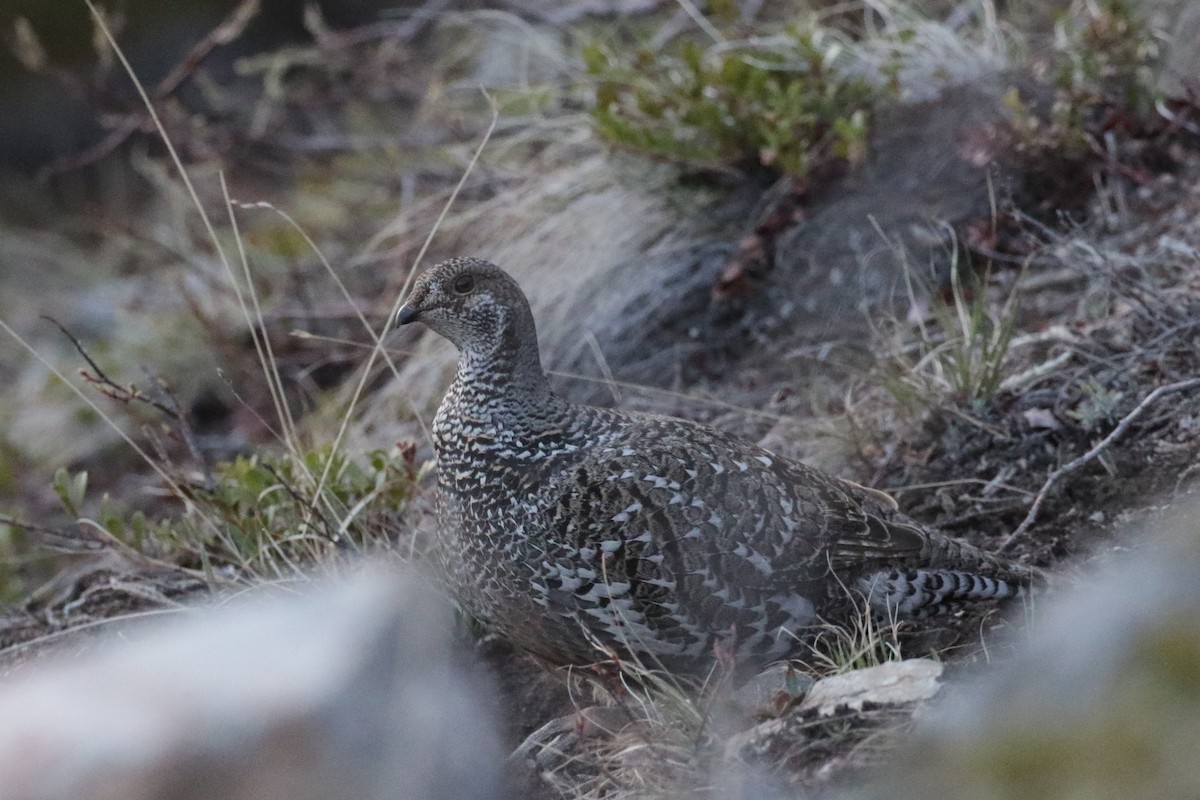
(925,592)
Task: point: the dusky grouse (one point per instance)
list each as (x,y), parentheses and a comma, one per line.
(573,529)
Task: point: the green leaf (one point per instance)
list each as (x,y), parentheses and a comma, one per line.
(70,489)
(595,59)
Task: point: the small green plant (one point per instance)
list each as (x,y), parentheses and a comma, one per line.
(970,359)
(1098,405)
(70,489)
(1105,60)
(1107,54)
(960,346)
(12,543)
(779,102)
(261,514)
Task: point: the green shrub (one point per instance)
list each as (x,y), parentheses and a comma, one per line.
(262,514)
(1106,54)
(780,102)
(1102,71)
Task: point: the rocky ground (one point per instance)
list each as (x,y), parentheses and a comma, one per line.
(999,333)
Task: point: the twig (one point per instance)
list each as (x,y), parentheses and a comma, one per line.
(978,423)
(168,404)
(1036,372)
(1166,113)
(122,394)
(413,24)
(230,29)
(98,151)
(1071,466)
(1187,473)
(56,539)
(183,424)
(227,31)
(304,502)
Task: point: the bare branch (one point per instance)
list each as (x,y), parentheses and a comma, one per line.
(1071,466)
(229,29)
(84,539)
(99,379)
(167,403)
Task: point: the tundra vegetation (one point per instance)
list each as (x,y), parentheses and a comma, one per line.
(215,400)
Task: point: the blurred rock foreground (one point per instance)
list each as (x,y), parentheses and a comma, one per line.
(355,691)
(1102,702)
(348,691)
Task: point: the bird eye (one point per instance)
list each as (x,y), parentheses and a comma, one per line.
(463,284)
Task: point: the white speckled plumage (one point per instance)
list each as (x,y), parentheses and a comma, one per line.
(567,526)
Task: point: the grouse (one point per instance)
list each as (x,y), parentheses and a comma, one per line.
(577,531)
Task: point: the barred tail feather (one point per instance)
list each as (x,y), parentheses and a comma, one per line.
(923,592)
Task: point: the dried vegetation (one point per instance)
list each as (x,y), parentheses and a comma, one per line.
(1025,396)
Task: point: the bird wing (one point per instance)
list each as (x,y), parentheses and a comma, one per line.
(659,546)
(703,505)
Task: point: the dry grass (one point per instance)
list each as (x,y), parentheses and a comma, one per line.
(569,218)
(950,351)
(641,732)
(263,517)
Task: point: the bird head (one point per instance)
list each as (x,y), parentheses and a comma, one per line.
(473,303)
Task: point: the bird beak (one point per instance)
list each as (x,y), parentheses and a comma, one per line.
(406,315)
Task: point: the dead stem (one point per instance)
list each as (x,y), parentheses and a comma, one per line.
(1071,466)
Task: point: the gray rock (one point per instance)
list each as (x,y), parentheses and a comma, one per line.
(844,257)
(349,692)
(891,683)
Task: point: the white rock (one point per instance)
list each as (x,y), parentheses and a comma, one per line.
(891,683)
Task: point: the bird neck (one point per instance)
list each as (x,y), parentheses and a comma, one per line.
(508,377)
